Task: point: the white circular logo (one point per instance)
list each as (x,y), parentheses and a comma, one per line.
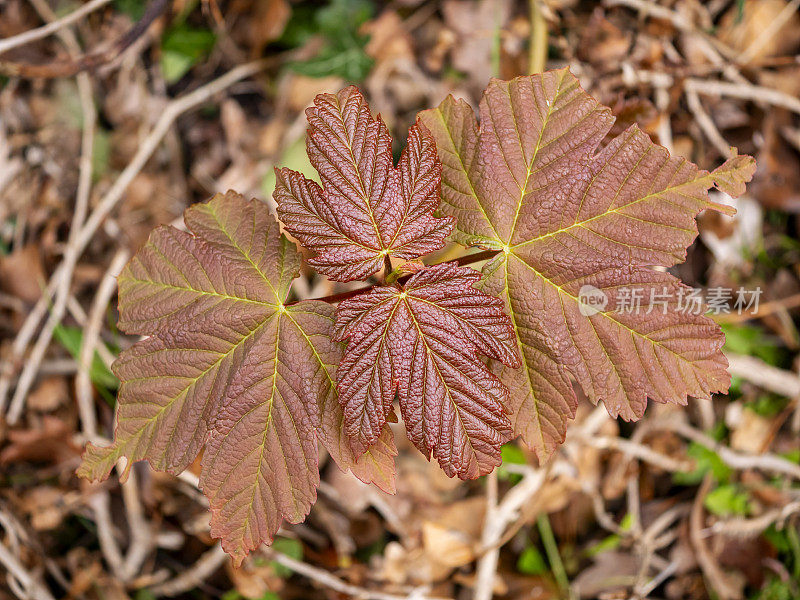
(591,300)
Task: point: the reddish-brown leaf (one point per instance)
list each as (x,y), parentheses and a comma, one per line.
(366,209)
(422,342)
(530,182)
(230,367)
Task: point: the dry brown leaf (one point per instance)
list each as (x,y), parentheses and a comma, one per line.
(603,42)
(50,443)
(451,533)
(499,585)
(448,547)
(45,506)
(265,22)
(22,274)
(254,579)
(402,566)
(51,393)
(87,574)
(740,30)
(149,202)
(751,432)
(299,91)
(743,558)
(612,572)
(475,24)
(388,38)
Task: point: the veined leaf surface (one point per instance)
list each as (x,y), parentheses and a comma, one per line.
(421,342)
(229,366)
(529,181)
(367,209)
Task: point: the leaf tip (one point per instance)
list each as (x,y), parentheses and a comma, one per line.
(732,176)
(98,461)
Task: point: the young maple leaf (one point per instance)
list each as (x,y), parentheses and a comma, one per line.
(530,182)
(366,208)
(229,366)
(422,341)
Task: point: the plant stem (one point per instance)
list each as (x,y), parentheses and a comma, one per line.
(470,259)
(496,42)
(553,556)
(461,261)
(537,50)
(387,267)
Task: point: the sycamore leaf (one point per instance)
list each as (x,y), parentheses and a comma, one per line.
(230,367)
(376,465)
(260,463)
(422,342)
(529,181)
(367,209)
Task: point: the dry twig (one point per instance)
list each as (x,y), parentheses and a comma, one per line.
(89,340)
(25,584)
(720,581)
(100,501)
(647,8)
(745,528)
(52,27)
(206,565)
(498,516)
(636,450)
(745,91)
(63,274)
(769,32)
(705,122)
(737,460)
(756,371)
(334,583)
(78,64)
(61,288)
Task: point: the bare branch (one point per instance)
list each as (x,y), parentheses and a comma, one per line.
(497,518)
(737,460)
(334,583)
(52,27)
(210,561)
(745,91)
(770,378)
(719,580)
(18,574)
